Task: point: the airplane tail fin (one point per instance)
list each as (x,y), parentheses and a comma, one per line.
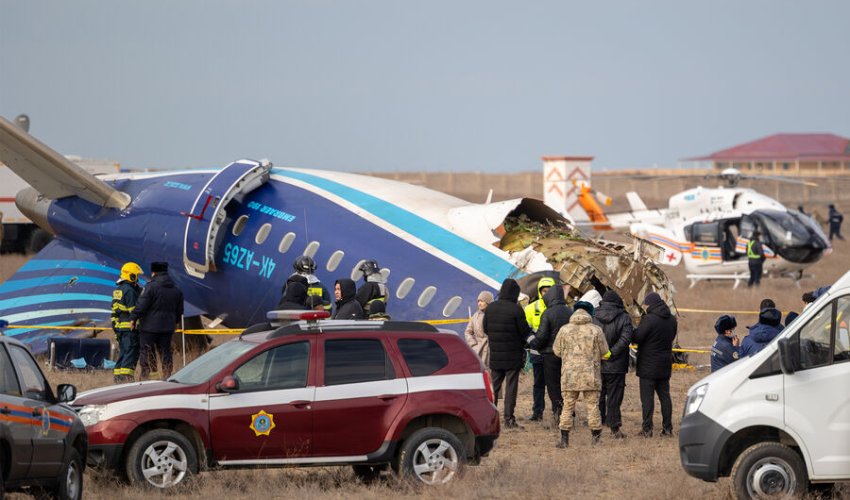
(664,238)
(635,202)
(58,291)
(50,173)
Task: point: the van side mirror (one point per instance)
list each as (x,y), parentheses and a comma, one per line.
(66,393)
(789,354)
(228,384)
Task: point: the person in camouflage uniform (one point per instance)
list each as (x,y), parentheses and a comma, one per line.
(581,345)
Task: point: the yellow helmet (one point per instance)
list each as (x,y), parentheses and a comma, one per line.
(131,272)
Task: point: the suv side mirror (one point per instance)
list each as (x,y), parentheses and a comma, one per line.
(66,393)
(228,384)
(789,354)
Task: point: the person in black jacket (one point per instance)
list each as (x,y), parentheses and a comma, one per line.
(159,309)
(556,315)
(294,295)
(654,338)
(617,326)
(346,306)
(505,325)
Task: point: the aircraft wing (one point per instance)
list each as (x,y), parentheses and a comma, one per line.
(50,173)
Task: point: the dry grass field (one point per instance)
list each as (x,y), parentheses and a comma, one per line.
(524,463)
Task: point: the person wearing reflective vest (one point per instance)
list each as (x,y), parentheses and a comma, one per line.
(755,257)
(374,286)
(533,312)
(305,266)
(124,298)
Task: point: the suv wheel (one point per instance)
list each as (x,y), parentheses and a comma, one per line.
(769,469)
(161,458)
(432,456)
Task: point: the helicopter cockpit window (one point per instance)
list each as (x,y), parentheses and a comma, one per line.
(705,234)
(747,226)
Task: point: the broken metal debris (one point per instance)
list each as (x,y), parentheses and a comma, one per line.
(558,250)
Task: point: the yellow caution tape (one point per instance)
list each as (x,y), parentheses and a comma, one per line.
(444,321)
(236,331)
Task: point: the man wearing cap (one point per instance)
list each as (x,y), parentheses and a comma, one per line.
(581,346)
(726,348)
(159,309)
(654,338)
(768,327)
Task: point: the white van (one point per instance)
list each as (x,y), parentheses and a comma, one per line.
(779,419)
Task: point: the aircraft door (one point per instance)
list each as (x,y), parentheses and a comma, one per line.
(208,212)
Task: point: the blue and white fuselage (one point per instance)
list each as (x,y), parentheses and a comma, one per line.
(439,251)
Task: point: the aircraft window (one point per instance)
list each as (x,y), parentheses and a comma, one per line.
(356,273)
(286,242)
(263,233)
(426,296)
(452,305)
(335,259)
(239,225)
(405,287)
(311,249)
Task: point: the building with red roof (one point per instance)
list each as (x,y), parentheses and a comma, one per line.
(800,154)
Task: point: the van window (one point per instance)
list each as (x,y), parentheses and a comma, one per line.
(356,360)
(842,333)
(815,348)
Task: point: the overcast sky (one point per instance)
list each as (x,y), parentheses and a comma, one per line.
(426,85)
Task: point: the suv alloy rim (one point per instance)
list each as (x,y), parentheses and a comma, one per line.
(435,462)
(771,476)
(164,464)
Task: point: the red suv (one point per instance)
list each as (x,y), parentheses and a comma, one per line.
(362,393)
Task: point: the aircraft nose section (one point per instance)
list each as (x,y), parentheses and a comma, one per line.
(35,206)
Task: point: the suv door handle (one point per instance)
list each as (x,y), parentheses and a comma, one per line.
(300,403)
(5,410)
(387,397)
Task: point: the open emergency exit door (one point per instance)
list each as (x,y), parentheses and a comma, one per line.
(208,212)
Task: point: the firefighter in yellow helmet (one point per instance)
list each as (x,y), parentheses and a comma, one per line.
(124,298)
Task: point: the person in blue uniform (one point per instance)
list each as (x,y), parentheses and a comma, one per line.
(726,348)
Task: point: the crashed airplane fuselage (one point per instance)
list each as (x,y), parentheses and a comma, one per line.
(231,236)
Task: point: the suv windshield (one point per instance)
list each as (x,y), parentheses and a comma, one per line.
(211,362)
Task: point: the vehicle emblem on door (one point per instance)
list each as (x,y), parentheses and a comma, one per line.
(262,423)
(45,422)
